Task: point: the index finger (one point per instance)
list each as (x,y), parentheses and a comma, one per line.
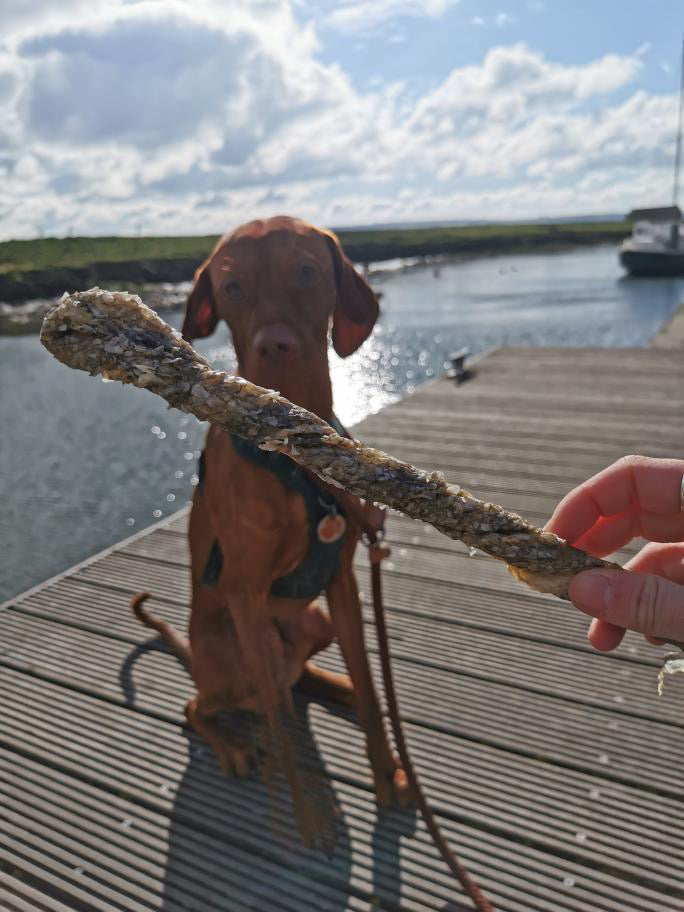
(636,484)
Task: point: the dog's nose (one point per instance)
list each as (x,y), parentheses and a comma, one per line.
(276,342)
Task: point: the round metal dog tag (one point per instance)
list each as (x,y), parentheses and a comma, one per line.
(331,528)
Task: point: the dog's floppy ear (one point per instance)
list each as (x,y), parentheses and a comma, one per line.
(357,306)
(200,310)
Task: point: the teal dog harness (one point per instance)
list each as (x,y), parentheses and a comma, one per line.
(314,574)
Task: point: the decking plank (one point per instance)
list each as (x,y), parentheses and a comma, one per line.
(537,666)
(553,769)
(92,606)
(18,896)
(164,769)
(478,580)
(578,735)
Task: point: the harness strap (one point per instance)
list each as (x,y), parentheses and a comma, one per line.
(377,553)
(325,514)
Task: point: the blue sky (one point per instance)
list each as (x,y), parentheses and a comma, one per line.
(190,116)
(567,31)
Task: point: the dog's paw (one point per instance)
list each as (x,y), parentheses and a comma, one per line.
(237,760)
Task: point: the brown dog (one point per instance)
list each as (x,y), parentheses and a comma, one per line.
(260,551)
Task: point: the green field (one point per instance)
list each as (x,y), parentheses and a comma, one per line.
(20,257)
(47,253)
(479,232)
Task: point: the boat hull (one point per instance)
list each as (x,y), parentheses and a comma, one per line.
(653,263)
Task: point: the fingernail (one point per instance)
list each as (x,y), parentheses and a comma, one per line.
(592,592)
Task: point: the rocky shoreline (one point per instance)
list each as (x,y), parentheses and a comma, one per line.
(17,288)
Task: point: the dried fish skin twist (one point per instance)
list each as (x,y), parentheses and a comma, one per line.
(114,334)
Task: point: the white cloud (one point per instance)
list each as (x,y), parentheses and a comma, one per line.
(90,87)
(361,15)
(166,116)
(516,77)
(500,20)
(20,17)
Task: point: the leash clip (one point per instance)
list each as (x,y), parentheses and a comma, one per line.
(377,552)
(372,543)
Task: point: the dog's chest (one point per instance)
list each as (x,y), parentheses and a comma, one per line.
(309,524)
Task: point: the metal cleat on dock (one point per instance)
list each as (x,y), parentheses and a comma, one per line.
(458,371)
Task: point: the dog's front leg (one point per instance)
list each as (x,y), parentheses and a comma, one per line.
(391,783)
(262,651)
(266,662)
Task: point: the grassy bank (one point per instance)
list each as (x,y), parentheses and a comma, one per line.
(45,267)
(79,252)
(470,236)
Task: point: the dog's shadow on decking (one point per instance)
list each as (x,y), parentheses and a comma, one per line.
(237,840)
(233,843)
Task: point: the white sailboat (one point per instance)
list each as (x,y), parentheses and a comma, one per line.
(656,246)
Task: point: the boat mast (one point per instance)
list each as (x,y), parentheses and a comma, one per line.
(678,148)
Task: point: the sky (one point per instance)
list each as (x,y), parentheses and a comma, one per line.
(192,116)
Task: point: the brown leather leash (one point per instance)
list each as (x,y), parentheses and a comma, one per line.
(377,553)
(371,520)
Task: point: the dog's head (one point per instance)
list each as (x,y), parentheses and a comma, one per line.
(279,284)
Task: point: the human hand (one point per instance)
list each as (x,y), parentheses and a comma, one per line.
(635,497)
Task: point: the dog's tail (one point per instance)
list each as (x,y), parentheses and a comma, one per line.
(179,643)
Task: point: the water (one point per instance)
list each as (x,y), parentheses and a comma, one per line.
(84,463)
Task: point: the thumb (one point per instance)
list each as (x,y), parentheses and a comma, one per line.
(644,602)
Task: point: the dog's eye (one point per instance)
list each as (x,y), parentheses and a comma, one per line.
(307,274)
(233,289)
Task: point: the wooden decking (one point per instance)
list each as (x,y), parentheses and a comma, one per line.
(557,773)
